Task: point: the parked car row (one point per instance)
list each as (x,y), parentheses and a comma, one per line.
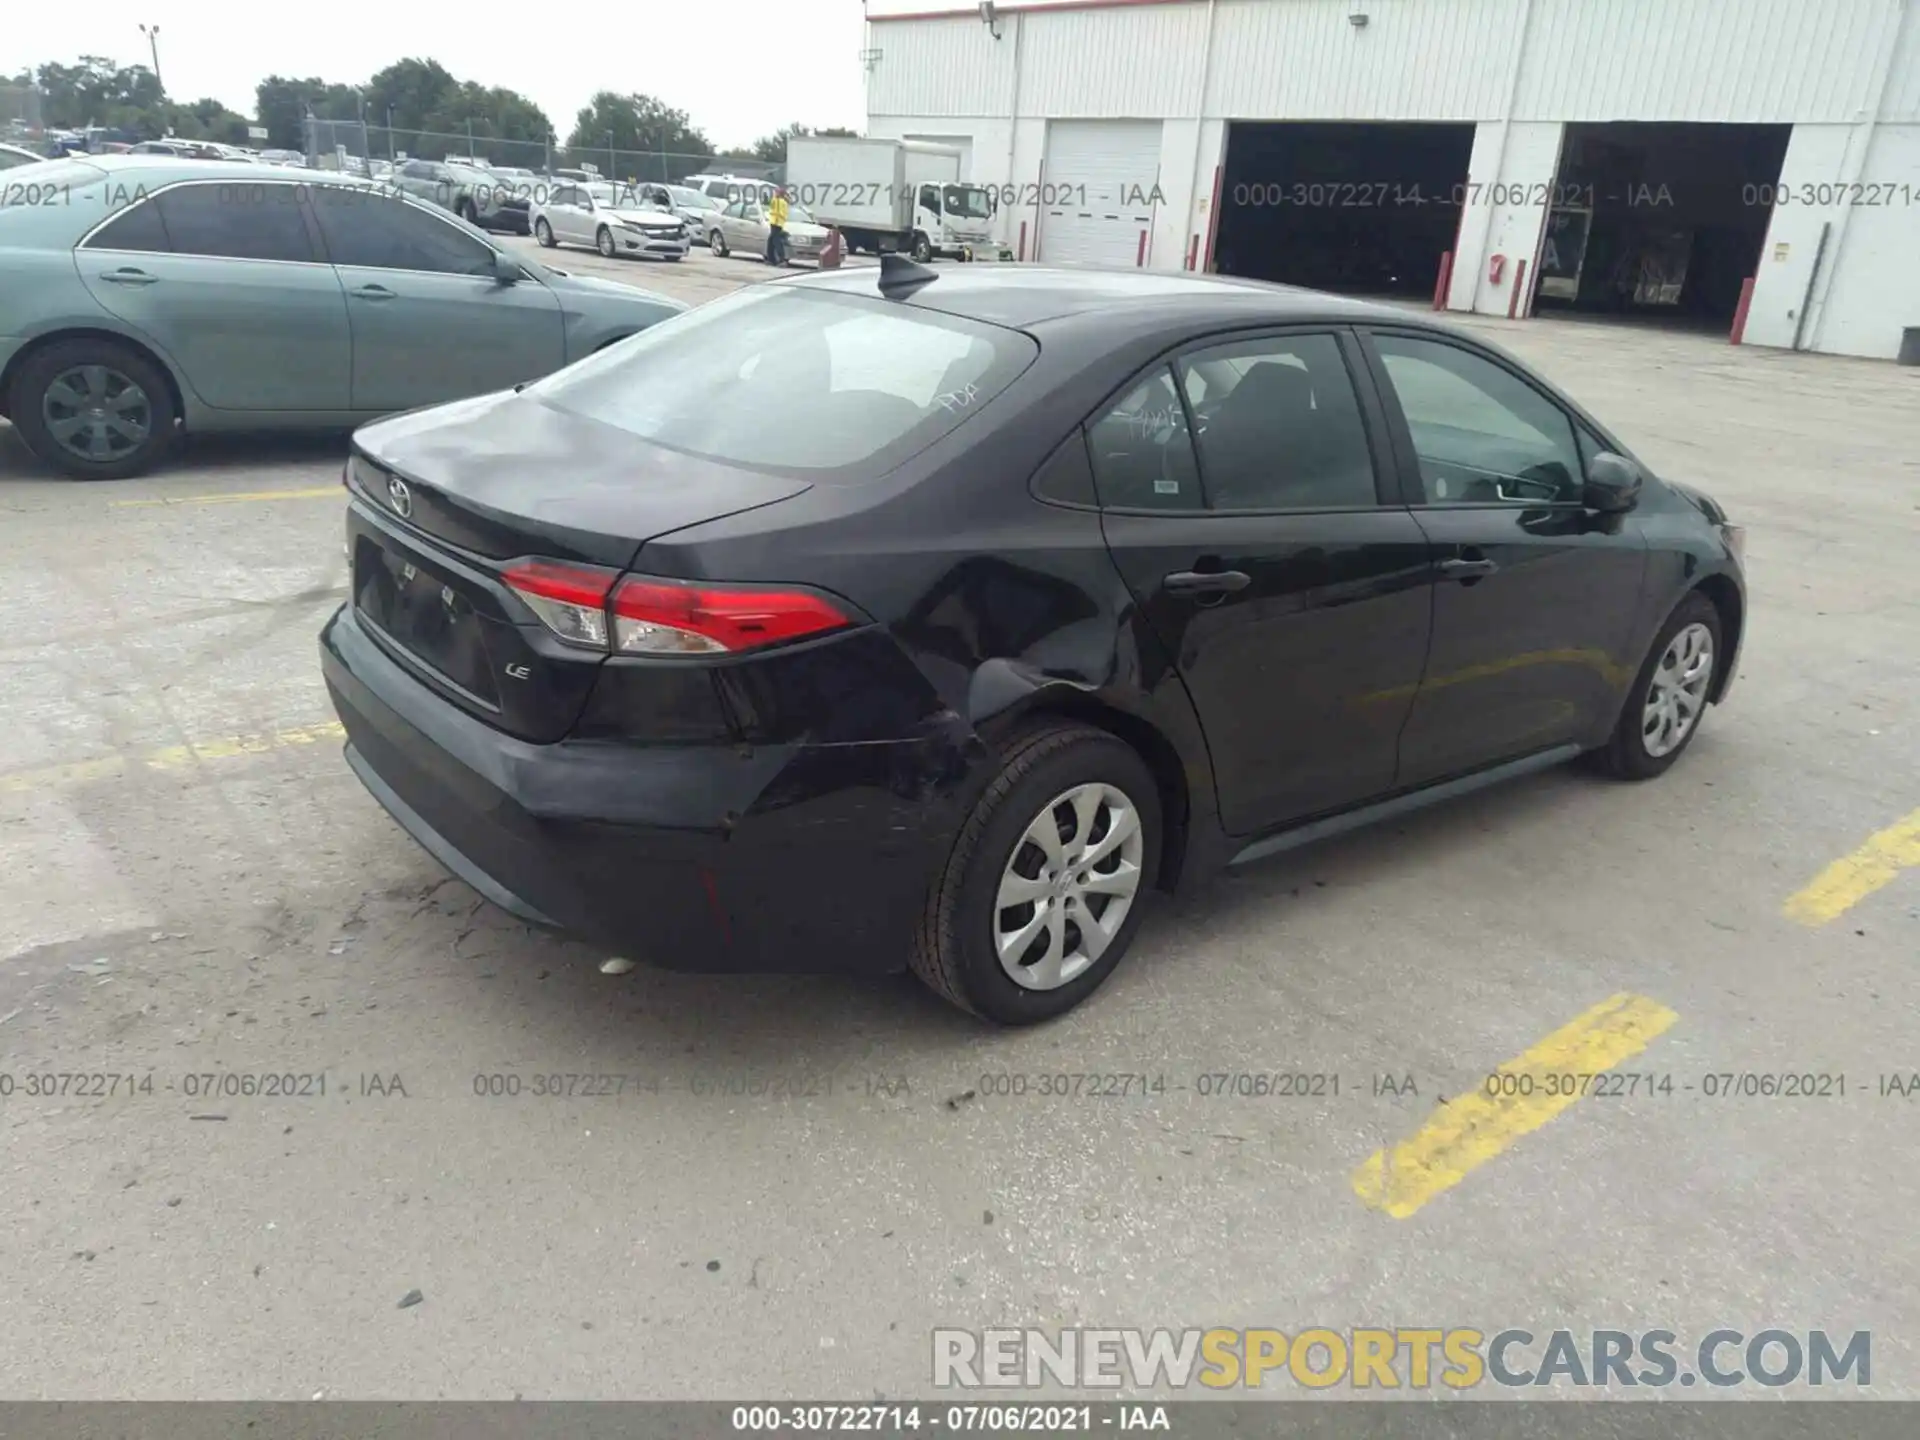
(171,295)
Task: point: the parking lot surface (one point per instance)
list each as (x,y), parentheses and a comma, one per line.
(799,1178)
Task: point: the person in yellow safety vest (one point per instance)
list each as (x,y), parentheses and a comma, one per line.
(777,228)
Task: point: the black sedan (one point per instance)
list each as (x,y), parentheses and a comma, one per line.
(876,619)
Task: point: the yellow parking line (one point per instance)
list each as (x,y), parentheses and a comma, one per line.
(1464,1134)
(234,497)
(173,757)
(1851,878)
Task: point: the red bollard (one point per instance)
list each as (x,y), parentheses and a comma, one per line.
(830,252)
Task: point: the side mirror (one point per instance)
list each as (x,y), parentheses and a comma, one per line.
(1613,484)
(506,269)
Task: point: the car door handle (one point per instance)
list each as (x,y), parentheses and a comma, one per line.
(1206,582)
(1467,568)
(372,292)
(127,275)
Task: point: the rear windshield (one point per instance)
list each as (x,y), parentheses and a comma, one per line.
(796,380)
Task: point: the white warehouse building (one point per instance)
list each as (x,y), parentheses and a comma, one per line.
(1745,166)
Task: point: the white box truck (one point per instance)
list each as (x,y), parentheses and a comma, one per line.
(893,195)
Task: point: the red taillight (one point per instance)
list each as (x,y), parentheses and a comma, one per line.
(570,600)
(668,617)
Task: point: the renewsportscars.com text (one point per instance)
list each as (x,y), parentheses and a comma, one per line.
(1393,1358)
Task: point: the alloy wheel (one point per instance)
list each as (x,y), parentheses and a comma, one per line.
(1678,692)
(97,413)
(1066,890)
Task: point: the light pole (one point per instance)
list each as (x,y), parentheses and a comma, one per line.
(612,164)
(152,32)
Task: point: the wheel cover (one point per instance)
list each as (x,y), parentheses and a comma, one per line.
(543,233)
(604,240)
(97,413)
(1068,886)
(1679,690)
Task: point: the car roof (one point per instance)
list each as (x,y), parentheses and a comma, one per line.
(157,169)
(1023,295)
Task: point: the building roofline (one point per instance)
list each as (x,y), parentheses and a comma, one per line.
(964,12)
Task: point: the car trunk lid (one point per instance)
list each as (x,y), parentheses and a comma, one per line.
(447,499)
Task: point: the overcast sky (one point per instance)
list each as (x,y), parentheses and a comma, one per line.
(739,68)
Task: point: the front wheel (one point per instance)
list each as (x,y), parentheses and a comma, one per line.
(717,243)
(1669,696)
(922,248)
(93,409)
(1044,888)
(464,209)
(603,242)
(543,232)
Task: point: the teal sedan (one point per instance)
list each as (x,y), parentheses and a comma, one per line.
(142,297)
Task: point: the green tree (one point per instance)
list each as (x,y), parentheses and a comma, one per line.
(95,91)
(282,105)
(639,123)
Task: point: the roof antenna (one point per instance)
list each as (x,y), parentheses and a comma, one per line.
(900,277)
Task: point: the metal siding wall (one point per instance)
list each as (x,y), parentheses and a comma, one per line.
(1902,102)
(1413,60)
(1755,61)
(1874,292)
(1134,62)
(941,67)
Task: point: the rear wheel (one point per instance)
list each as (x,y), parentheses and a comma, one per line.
(93,409)
(603,242)
(543,232)
(1669,696)
(1044,889)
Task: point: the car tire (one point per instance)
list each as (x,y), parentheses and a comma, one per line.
(464,209)
(1669,696)
(922,248)
(717,243)
(543,233)
(1047,774)
(603,242)
(120,369)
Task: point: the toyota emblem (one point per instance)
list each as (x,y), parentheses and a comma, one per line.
(401,497)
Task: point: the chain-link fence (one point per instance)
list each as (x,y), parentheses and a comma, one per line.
(543,157)
(337,145)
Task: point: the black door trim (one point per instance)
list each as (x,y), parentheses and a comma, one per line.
(1397,805)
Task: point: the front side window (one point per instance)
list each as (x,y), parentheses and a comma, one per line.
(1279,425)
(968,202)
(1482,434)
(794,381)
(238,221)
(379,231)
(1141,451)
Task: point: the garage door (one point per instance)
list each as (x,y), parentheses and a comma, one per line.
(1101,173)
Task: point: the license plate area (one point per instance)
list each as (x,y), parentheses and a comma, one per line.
(430,614)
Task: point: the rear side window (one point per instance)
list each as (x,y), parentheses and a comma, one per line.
(137,228)
(237,222)
(1142,454)
(794,381)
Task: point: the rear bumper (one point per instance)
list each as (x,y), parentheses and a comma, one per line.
(694,857)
